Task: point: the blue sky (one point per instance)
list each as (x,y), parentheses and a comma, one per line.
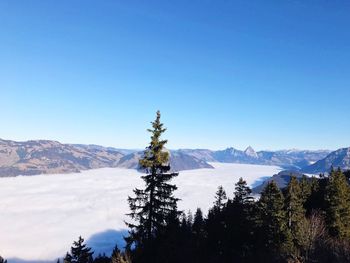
(271,74)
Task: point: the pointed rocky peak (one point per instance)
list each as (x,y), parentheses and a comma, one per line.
(250,152)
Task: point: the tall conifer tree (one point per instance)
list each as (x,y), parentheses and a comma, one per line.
(152,205)
(80,253)
(220,199)
(305,188)
(295,214)
(337,200)
(294,204)
(271,219)
(238,217)
(242,194)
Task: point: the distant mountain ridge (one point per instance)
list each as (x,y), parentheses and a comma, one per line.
(339,158)
(179,161)
(336,159)
(288,159)
(45,156)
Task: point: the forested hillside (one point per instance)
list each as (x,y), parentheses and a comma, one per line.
(307,221)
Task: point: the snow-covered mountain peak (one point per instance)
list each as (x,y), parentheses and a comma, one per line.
(251,152)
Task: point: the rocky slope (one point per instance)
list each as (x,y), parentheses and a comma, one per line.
(232,155)
(295,159)
(42,156)
(201,154)
(339,158)
(179,161)
(46,157)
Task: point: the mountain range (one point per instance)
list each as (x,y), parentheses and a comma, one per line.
(45,157)
(339,158)
(288,159)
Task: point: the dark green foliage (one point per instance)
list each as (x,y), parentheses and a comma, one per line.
(242,194)
(305,188)
(80,253)
(198,232)
(198,222)
(295,215)
(169,241)
(308,221)
(286,226)
(316,199)
(347,175)
(227,232)
(152,206)
(220,198)
(294,204)
(337,199)
(279,227)
(239,223)
(102,259)
(271,219)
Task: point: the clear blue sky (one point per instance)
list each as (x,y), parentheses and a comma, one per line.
(271,74)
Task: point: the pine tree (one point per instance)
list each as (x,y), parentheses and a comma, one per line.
(238,220)
(295,213)
(242,194)
(305,188)
(220,198)
(80,253)
(293,203)
(67,258)
(189,218)
(102,259)
(271,219)
(2,260)
(198,236)
(337,200)
(198,221)
(151,206)
(316,199)
(118,257)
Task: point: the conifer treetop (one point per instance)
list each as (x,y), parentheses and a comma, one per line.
(156,158)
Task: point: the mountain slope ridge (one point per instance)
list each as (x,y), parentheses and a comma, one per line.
(339,158)
(48,156)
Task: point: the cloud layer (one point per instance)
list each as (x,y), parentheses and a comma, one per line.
(42,215)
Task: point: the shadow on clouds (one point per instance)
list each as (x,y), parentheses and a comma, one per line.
(260,181)
(101,243)
(104,242)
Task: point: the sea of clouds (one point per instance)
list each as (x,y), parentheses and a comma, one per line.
(40,216)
